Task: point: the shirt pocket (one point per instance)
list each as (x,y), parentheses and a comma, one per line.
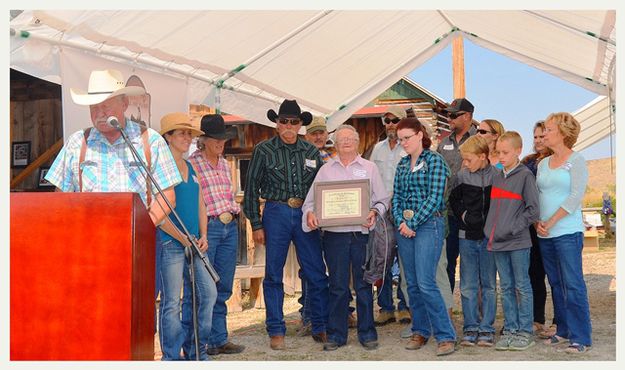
(276,173)
(90,171)
(136,179)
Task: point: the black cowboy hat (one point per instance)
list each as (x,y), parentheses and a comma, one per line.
(213,126)
(290,109)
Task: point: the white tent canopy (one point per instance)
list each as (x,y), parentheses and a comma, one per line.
(597,121)
(333,62)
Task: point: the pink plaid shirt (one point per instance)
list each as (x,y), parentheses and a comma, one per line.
(216,185)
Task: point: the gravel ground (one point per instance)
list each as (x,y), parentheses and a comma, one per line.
(247,328)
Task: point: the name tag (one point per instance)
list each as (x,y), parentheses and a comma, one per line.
(418,167)
(311,163)
(360,173)
(448,147)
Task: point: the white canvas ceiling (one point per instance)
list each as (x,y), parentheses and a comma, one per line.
(333,62)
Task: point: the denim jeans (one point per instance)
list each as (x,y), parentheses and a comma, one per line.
(477,271)
(175,333)
(516,290)
(223,241)
(562,258)
(283,224)
(342,250)
(453,249)
(385,295)
(206,296)
(303,300)
(420,256)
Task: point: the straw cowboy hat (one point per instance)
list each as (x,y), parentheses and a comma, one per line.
(178,121)
(290,109)
(103,85)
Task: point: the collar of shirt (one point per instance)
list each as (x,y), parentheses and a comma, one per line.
(507,173)
(337,161)
(299,144)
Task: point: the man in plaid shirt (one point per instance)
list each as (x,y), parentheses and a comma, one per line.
(107,164)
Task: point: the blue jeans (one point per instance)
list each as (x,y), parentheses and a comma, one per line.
(453,249)
(419,256)
(174,333)
(562,258)
(477,271)
(223,241)
(303,300)
(283,224)
(385,295)
(517,298)
(342,250)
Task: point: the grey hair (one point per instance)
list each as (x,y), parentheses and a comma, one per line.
(347,127)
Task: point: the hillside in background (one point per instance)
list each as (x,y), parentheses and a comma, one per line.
(600,178)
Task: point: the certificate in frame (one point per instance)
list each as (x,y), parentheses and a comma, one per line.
(342,203)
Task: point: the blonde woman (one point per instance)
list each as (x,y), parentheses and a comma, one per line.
(561,180)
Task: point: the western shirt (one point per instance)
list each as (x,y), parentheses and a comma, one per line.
(112,167)
(216,185)
(420,189)
(279,171)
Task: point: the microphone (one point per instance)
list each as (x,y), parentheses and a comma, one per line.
(113,122)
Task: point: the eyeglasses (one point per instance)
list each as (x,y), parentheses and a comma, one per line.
(484,132)
(456,115)
(346,140)
(292,121)
(388,120)
(405,139)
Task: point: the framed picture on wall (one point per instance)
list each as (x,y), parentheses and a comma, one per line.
(43,183)
(20,154)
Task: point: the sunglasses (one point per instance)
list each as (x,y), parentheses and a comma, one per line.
(388,120)
(484,132)
(456,115)
(292,121)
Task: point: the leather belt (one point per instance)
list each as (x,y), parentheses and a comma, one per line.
(291,202)
(225,217)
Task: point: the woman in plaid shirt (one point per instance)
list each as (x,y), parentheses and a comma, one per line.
(418,206)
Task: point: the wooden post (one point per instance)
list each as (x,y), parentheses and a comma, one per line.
(457,55)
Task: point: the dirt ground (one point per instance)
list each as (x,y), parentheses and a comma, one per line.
(247,328)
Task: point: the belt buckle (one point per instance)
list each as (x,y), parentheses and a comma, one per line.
(295,202)
(225,218)
(408,214)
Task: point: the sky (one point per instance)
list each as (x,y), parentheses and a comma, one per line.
(511,92)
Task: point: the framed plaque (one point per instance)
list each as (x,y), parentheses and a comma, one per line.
(342,203)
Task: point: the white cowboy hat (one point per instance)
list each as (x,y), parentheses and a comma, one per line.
(103,85)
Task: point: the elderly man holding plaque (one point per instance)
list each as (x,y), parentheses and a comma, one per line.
(281,171)
(340,202)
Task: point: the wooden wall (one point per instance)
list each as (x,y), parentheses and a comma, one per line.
(35,116)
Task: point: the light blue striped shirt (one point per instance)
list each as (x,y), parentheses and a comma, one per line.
(111,167)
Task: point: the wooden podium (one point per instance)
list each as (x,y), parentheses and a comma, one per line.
(82,277)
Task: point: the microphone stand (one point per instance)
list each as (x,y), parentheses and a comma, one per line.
(194,247)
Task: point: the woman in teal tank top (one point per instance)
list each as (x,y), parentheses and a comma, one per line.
(176,334)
